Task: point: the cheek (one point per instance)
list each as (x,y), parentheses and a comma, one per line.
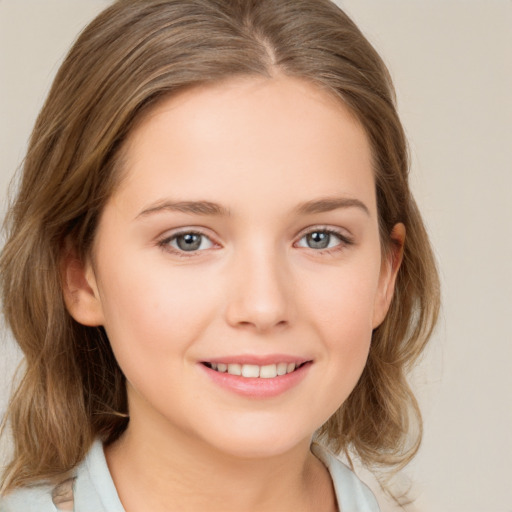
(154,311)
(152,321)
(343,313)
(344,302)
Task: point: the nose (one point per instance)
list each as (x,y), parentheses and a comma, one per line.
(260,292)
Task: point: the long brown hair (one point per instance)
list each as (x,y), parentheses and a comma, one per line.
(133,54)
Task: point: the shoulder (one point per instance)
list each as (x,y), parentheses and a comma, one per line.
(91,488)
(352,494)
(28,499)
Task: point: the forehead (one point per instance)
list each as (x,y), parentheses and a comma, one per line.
(246,137)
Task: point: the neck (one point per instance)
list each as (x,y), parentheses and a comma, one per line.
(163,471)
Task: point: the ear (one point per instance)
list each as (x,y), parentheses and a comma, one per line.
(388,272)
(80,290)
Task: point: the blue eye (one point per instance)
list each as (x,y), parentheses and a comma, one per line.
(322,239)
(192,241)
(187,242)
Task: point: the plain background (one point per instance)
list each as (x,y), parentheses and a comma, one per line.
(452,65)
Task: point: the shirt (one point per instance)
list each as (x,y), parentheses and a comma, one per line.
(93,490)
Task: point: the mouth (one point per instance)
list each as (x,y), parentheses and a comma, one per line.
(254,371)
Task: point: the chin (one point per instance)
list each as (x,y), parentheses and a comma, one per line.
(257,441)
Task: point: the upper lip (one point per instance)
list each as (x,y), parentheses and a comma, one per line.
(260,360)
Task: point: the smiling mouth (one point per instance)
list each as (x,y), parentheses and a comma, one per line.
(253,371)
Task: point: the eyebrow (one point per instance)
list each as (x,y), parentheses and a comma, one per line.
(328,204)
(208,208)
(192,207)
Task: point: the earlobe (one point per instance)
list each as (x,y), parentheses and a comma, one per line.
(388,273)
(80,290)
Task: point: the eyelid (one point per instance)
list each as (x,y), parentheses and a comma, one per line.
(345,238)
(164,241)
(341,232)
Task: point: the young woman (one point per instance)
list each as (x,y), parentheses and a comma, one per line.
(214,266)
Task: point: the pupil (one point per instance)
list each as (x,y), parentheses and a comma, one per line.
(189,242)
(318,240)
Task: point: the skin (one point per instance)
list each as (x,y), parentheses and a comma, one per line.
(260,148)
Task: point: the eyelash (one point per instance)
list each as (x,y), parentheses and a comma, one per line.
(344,241)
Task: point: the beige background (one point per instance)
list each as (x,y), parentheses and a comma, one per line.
(452,64)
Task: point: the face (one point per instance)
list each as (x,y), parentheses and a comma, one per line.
(237,269)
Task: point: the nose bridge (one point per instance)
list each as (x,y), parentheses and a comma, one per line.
(260,287)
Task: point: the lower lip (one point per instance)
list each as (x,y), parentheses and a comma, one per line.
(257,387)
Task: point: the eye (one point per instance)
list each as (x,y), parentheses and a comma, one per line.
(323,239)
(187,241)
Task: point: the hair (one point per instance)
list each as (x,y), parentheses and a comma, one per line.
(132,55)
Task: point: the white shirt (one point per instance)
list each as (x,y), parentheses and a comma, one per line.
(94,490)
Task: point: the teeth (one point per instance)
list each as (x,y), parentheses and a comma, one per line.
(281,368)
(235,369)
(268,371)
(250,370)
